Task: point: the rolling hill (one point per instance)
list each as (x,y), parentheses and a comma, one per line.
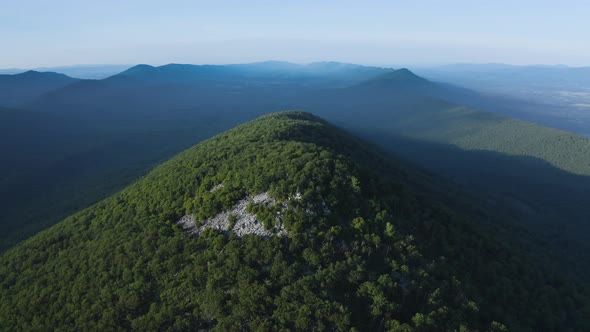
(76,71)
(17,89)
(350,239)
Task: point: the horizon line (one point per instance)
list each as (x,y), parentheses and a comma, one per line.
(433,65)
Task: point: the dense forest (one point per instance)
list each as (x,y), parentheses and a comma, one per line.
(70,143)
(369,244)
(510,181)
(527,175)
(54,165)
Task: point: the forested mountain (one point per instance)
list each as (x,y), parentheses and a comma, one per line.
(401,80)
(40,152)
(352,240)
(105,133)
(20,88)
(149,91)
(116,129)
(532,176)
(266,73)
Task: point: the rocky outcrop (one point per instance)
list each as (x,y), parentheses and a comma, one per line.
(243,222)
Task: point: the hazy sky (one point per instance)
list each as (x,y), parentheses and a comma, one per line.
(64,32)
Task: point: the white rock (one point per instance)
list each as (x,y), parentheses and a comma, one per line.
(246,223)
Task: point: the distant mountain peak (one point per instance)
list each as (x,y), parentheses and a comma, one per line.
(139,69)
(29,72)
(402,73)
(39,74)
(399,78)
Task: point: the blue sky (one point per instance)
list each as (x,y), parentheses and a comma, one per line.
(65,32)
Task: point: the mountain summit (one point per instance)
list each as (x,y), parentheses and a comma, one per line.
(285,222)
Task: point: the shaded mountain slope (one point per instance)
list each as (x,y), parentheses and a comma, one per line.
(401,80)
(145,87)
(23,87)
(55,165)
(367,246)
(535,176)
(269,72)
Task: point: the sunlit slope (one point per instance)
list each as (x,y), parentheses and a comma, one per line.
(476,130)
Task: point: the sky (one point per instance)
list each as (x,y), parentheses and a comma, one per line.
(36,33)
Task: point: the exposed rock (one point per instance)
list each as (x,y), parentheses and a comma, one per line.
(245,223)
(187,223)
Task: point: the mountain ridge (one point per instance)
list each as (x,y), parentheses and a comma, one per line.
(365,248)
(16,89)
